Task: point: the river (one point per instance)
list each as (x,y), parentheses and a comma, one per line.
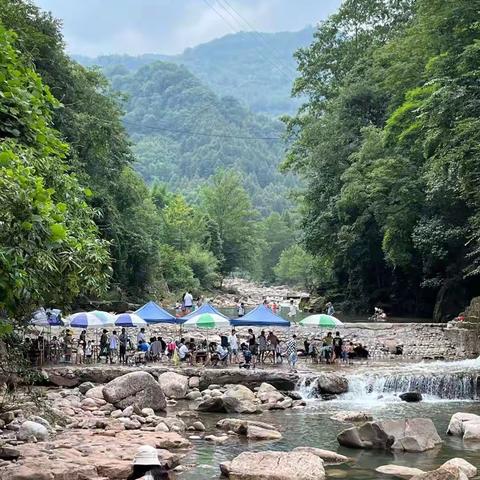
(371,391)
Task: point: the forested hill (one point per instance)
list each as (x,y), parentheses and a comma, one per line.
(183,133)
(256,68)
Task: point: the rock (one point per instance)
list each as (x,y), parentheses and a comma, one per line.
(327,384)
(128,411)
(116,414)
(194,382)
(41,421)
(213,386)
(411,397)
(31,429)
(129,423)
(352,417)
(172,440)
(174,424)
(441,474)
(173,384)
(148,412)
(95,392)
(328,457)
(269,394)
(9,453)
(85,387)
(467,468)
(187,414)
(213,404)
(215,439)
(462,422)
(240,399)
(399,471)
(257,433)
(162,427)
(62,381)
(25,473)
(240,425)
(472,431)
(89,403)
(270,465)
(409,435)
(195,395)
(135,388)
(198,426)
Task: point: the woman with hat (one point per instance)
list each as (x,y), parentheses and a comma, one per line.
(147,466)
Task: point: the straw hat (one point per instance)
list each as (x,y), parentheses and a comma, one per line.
(146,455)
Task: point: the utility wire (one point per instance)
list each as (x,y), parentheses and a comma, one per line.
(258,34)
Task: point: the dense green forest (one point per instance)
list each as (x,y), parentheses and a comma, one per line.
(388,142)
(183,133)
(77,220)
(256,68)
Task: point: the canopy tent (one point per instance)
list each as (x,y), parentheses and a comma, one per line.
(205,317)
(321,320)
(153,313)
(260,316)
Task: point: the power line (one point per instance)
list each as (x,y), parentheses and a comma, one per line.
(234,30)
(258,34)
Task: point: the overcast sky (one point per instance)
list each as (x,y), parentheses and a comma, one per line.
(94,27)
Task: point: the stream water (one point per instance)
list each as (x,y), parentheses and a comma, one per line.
(448,387)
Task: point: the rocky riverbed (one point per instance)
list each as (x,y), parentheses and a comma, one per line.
(92,427)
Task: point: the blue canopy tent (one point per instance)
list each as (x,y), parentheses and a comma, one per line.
(153,313)
(260,316)
(206,308)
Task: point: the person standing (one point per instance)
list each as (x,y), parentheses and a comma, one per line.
(337,347)
(241,310)
(113,346)
(262,346)
(292,312)
(233,346)
(252,345)
(272,342)
(188,301)
(123,340)
(292,352)
(104,345)
(330,309)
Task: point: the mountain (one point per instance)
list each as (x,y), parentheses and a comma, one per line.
(256,68)
(183,132)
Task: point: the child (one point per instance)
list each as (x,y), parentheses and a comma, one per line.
(247,356)
(80,352)
(88,352)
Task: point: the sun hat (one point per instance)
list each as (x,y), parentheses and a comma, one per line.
(146,455)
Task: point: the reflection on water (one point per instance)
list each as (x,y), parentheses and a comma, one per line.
(312,426)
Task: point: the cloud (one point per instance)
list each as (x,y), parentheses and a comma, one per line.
(93,27)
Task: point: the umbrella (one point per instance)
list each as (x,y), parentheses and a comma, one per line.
(205,317)
(129,320)
(94,319)
(153,313)
(321,320)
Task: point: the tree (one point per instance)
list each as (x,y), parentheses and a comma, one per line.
(295,267)
(227,203)
(49,246)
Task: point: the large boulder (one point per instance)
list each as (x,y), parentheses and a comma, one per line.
(29,430)
(441,474)
(240,399)
(399,471)
(258,433)
(135,388)
(409,435)
(269,394)
(464,425)
(467,468)
(327,384)
(173,384)
(270,465)
(212,404)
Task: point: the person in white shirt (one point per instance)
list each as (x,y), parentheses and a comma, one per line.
(293,309)
(141,336)
(188,301)
(184,352)
(221,355)
(233,346)
(113,345)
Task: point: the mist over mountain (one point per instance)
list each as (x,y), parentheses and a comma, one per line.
(256,68)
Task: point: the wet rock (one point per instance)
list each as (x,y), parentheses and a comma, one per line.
(135,388)
(352,416)
(269,394)
(328,457)
(467,468)
(240,425)
(85,387)
(216,439)
(29,430)
(213,404)
(409,435)
(327,384)
(464,425)
(173,384)
(411,397)
(257,433)
(399,471)
(270,465)
(198,426)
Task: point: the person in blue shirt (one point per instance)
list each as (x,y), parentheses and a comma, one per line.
(143,346)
